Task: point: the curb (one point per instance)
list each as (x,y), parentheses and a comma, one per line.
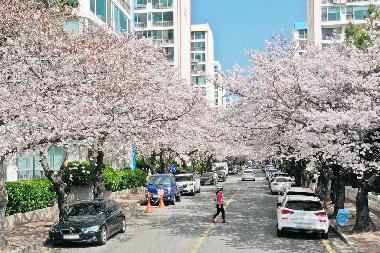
(339,234)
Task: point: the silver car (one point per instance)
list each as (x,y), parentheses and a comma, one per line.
(248,174)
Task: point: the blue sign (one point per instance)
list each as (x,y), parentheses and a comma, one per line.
(134,158)
(173,169)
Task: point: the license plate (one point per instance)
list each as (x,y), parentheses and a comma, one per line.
(71,237)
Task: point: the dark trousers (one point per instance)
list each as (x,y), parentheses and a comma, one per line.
(220,210)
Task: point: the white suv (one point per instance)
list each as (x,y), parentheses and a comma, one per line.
(302,213)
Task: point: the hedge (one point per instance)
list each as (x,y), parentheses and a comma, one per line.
(123,179)
(26,196)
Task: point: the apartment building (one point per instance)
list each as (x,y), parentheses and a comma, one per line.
(299,37)
(221,97)
(202,60)
(327,18)
(169,23)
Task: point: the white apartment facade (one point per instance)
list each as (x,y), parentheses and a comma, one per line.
(327,18)
(169,23)
(202,60)
(299,37)
(221,97)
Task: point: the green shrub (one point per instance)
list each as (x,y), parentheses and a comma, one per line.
(124,179)
(26,196)
(78,173)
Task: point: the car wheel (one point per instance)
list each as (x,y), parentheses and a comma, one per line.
(103,236)
(279,233)
(254,179)
(124,226)
(325,236)
(178,198)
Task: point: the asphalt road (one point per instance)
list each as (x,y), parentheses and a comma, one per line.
(187,228)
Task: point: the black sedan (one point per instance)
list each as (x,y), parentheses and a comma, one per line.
(89,221)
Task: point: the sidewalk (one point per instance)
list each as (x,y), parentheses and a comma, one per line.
(31,236)
(361,243)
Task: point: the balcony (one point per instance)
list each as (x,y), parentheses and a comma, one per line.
(163,23)
(140,6)
(140,24)
(162,6)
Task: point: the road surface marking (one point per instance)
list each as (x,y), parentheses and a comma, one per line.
(328,246)
(204,235)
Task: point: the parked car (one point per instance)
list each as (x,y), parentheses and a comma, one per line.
(221,175)
(302,213)
(89,221)
(233,170)
(279,184)
(167,182)
(269,172)
(189,183)
(299,191)
(207,178)
(248,174)
(277,174)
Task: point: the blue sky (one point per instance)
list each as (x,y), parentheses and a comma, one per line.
(245,24)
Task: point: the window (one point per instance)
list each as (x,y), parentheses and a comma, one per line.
(216,93)
(360,12)
(216,101)
(349,12)
(140,4)
(98,7)
(331,14)
(120,22)
(72,26)
(198,80)
(197,35)
(199,57)
(198,67)
(302,33)
(161,35)
(169,51)
(198,46)
(160,4)
(331,33)
(162,16)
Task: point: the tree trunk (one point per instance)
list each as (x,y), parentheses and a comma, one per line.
(323,182)
(162,161)
(297,173)
(60,187)
(340,192)
(363,220)
(99,185)
(152,163)
(3,201)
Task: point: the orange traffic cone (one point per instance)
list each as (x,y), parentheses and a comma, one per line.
(161,205)
(149,208)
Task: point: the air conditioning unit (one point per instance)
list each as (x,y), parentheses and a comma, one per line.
(336,1)
(342,1)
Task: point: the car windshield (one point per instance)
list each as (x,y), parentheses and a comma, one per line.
(183,178)
(283,179)
(86,209)
(301,193)
(208,174)
(280,175)
(304,205)
(159,180)
(248,171)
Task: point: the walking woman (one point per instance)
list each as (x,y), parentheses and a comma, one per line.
(219,205)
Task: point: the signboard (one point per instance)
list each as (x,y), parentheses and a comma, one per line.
(173,169)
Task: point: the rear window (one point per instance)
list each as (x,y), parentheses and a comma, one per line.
(304,205)
(248,171)
(301,193)
(282,179)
